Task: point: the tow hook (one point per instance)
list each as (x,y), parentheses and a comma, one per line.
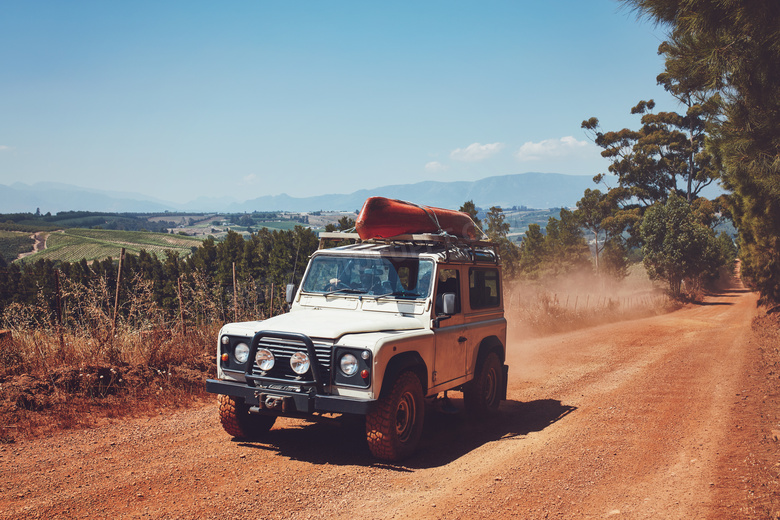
(272,402)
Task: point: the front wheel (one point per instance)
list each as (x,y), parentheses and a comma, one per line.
(394,428)
(238,422)
(482,395)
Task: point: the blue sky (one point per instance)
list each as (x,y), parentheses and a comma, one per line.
(179,100)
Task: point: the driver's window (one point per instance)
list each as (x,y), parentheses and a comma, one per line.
(448,282)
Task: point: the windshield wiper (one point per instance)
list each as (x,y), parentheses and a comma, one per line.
(403,294)
(346,290)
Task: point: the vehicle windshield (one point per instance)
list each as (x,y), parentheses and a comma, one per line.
(373,276)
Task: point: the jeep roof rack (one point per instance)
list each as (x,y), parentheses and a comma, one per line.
(447,241)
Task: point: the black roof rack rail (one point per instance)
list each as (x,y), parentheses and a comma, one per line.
(446,240)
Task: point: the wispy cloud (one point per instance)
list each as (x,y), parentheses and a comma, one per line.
(435,166)
(4,148)
(551,149)
(476,152)
(249,179)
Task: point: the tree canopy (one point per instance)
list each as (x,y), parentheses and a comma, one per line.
(666,153)
(471,209)
(676,245)
(731,50)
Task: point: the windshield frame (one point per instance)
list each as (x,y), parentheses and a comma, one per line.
(372,276)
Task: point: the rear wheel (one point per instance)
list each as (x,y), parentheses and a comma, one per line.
(238,422)
(393,429)
(482,395)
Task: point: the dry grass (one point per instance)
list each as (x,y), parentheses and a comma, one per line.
(45,388)
(84,368)
(86,371)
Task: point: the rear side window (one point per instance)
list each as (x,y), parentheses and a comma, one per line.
(484,289)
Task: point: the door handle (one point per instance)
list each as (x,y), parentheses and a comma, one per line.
(462,339)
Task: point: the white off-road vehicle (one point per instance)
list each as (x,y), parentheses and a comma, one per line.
(374,329)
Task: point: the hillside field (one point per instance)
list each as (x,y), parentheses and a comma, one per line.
(72,245)
(13,243)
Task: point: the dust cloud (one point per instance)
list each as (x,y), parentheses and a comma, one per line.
(535,308)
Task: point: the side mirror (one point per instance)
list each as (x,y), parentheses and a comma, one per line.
(448,303)
(290,294)
(447,309)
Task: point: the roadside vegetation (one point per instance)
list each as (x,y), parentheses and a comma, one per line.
(721,62)
(89,341)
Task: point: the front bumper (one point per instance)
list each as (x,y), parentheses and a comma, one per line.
(286,402)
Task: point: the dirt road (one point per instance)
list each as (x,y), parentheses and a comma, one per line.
(651,418)
(40,239)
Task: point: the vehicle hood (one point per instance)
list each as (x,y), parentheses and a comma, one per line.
(326,323)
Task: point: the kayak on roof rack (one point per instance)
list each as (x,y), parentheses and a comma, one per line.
(386,218)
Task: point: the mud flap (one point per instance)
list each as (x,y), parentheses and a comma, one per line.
(505,382)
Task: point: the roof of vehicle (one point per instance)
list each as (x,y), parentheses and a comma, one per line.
(443,248)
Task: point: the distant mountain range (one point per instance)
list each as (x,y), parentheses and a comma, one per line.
(533,190)
(55,197)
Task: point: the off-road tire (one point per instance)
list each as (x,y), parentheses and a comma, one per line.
(239,423)
(393,429)
(482,395)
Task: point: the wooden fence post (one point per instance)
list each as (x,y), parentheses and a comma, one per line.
(181,312)
(59,310)
(116,296)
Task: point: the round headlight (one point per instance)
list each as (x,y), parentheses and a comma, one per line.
(300,363)
(349,364)
(264,359)
(241,352)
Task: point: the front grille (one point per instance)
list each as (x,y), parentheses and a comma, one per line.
(283,349)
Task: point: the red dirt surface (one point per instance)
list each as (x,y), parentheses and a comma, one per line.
(663,417)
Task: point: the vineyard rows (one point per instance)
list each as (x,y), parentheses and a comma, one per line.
(94,244)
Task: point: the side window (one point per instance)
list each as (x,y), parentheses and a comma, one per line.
(448,282)
(484,289)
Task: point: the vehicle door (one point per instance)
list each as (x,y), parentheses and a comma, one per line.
(450,339)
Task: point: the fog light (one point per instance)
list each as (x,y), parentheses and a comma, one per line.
(241,352)
(349,365)
(264,359)
(225,340)
(299,362)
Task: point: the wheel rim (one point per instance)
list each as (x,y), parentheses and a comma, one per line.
(405,416)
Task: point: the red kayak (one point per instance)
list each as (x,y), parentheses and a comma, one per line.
(388,218)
